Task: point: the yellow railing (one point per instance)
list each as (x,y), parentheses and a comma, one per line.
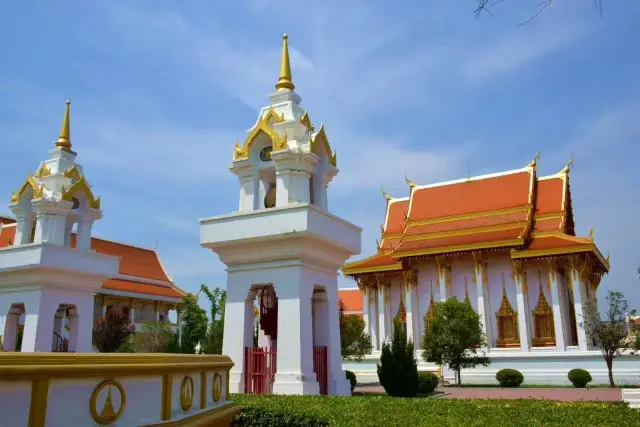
(200,403)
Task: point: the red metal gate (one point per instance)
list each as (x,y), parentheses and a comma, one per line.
(320,367)
(259,370)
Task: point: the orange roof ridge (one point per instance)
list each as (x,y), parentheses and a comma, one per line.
(473,178)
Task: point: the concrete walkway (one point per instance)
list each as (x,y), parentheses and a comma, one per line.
(560,394)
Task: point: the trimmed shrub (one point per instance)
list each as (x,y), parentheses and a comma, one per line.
(398,368)
(352,379)
(509,377)
(263,417)
(579,378)
(427,382)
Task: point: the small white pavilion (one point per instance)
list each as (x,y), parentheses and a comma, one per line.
(42,276)
(285,247)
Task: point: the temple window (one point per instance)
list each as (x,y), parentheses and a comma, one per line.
(431,313)
(544,333)
(507,320)
(401,316)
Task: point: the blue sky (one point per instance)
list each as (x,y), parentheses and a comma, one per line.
(161,92)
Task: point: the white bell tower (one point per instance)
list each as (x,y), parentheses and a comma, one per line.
(49,275)
(284,245)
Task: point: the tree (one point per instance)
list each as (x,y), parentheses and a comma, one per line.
(194,323)
(398,368)
(215,333)
(111,331)
(608,330)
(454,337)
(355,343)
(154,337)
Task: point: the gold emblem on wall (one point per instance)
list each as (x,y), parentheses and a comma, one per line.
(186,393)
(216,387)
(114,396)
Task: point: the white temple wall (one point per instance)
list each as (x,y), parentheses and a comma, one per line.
(427,279)
(396,289)
(461,270)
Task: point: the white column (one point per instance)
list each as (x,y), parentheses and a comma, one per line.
(283,186)
(157,311)
(374,317)
(382,333)
(415,315)
(238,328)
(523,309)
(83,239)
(338,385)
(444,277)
(408,305)
(10,331)
(132,312)
(365,309)
(38,325)
(579,300)
(249,190)
(482,290)
(388,317)
(558,320)
(294,373)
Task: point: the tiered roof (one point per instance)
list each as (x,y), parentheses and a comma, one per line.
(515,210)
(141,271)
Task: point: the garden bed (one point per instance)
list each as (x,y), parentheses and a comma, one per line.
(371,411)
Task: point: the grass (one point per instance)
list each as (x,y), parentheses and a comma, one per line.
(382,411)
(537,386)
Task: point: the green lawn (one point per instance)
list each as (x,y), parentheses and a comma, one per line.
(372,411)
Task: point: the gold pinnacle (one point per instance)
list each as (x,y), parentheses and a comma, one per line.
(284,81)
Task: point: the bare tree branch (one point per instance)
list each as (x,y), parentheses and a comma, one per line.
(485,5)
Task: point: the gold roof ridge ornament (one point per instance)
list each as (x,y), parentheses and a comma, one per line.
(284,80)
(568,166)
(64,140)
(534,162)
(385,194)
(408,181)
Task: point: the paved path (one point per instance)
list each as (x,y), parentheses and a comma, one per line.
(563,394)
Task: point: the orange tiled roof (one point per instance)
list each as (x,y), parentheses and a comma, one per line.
(142,288)
(351,298)
(495,211)
(135,262)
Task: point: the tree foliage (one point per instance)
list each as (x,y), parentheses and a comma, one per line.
(194,324)
(215,331)
(454,337)
(398,368)
(608,330)
(154,337)
(111,331)
(354,342)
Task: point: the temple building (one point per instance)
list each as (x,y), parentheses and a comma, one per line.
(504,243)
(54,210)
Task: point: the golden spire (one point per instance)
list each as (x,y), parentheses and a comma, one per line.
(466,291)
(64,141)
(107,410)
(284,81)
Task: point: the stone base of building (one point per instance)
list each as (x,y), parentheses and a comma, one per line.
(295,384)
(538,368)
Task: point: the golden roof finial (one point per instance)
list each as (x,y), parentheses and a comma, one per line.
(608,258)
(64,140)
(411,183)
(534,162)
(284,81)
(591,234)
(568,166)
(385,194)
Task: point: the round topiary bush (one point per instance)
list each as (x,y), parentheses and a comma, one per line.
(509,377)
(352,379)
(427,382)
(579,378)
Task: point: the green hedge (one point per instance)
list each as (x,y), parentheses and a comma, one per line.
(509,377)
(427,382)
(382,411)
(579,377)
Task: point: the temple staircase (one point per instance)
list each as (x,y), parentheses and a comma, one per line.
(632,397)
